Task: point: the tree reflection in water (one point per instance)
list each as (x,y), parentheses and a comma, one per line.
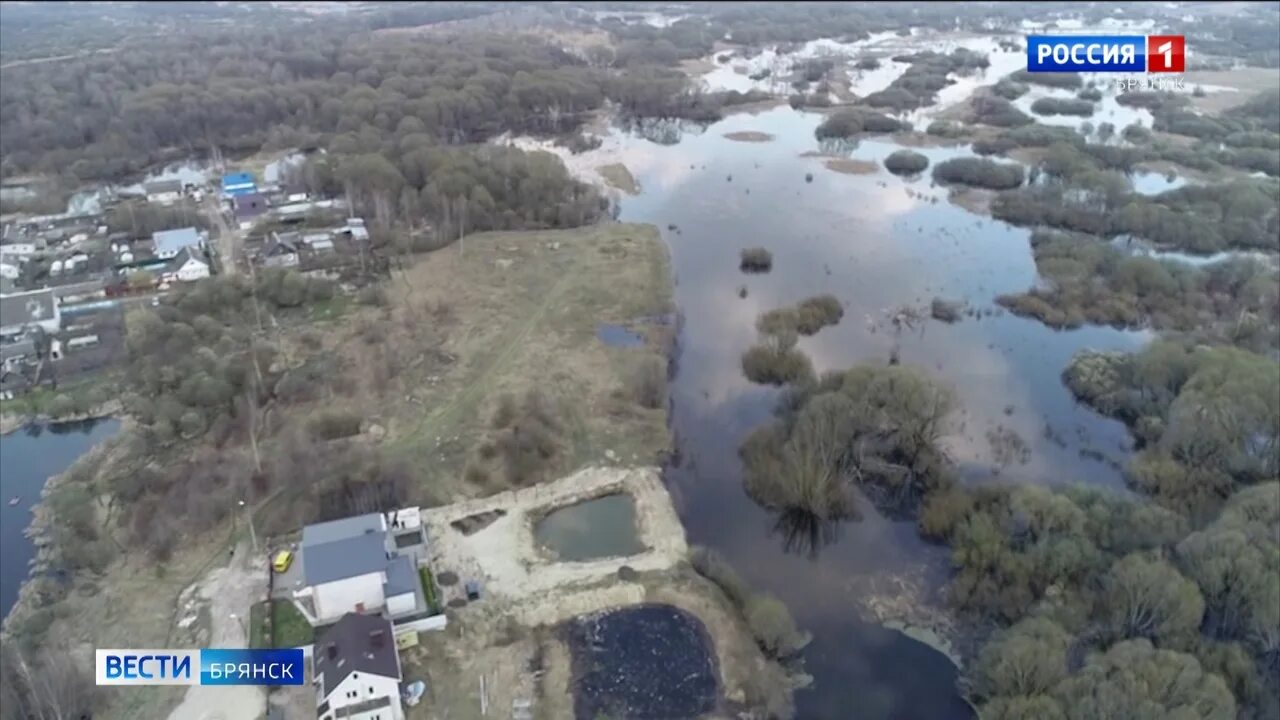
(805,533)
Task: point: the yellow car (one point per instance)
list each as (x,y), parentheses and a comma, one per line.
(282,561)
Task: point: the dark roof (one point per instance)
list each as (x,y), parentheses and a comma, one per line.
(356,643)
(250,204)
(344,548)
(177,261)
(27,307)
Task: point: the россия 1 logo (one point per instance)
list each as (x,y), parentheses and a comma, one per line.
(1106,53)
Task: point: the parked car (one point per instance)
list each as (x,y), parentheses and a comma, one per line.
(282,561)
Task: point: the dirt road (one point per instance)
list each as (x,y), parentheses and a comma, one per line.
(228,242)
(227,592)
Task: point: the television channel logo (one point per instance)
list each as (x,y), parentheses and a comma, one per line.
(1107,53)
(206,666)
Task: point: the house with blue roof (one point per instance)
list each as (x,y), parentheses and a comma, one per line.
(236,184)
(362,564)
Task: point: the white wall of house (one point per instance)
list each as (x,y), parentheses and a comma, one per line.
(334,599)
(18,249)
(401,604)
(191,271)
(359,687)
(164,198)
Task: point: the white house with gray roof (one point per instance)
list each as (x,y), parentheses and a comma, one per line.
(356,565)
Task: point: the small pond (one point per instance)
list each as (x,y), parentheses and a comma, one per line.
(618,336)
(599,528)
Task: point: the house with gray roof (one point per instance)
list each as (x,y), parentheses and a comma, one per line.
(357,670)
(24,311)
(168,243)
(356,565)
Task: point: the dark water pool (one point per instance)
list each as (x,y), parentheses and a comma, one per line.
(651,662)
(28,457)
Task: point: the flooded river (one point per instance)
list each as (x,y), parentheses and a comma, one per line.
(29,456)
(877,242)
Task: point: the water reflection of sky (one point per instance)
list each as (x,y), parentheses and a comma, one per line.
(877,242)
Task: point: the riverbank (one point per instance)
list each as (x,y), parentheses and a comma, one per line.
(12,422)
(35,465)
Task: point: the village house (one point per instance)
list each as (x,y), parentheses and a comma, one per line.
(168,243)
(187,266)
(22,311)
(363,564)
(238,184)
(280,250)
(248,207)
(357,670)
(163,192)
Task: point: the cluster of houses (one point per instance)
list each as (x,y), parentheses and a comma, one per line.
(362,582)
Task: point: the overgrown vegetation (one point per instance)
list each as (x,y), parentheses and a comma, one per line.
(906,162)
(775,360)
(979,172)
(1207,417)
(806,318)
(768,619)
(850,122)
(918,86)
(1062,106)
(1236,300)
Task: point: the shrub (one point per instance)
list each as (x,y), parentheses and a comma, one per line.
(1010,90)
(756,259)
(817,312)
(945,129)
(334,424)
(998,112)
(649,385)
(849,122)
(1062,106)
(773,627)
(945,311)
(1069,81)
(1091,94)
(906,162)
(712,565)
(776,361)
(979,172)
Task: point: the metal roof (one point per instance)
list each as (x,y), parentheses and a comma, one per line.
(27,307)
(401,578)
(167,241)
(344,548)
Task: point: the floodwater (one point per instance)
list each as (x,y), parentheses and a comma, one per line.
(880,243)
(28,457)
(599,528)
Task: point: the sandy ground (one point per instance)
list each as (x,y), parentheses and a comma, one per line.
(749,136)
(541,589)
(851,166)
(227,592)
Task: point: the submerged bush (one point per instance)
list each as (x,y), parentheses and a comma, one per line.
(979,172)
(756,259)
(906,162)
(1062,106)
(776,361)
(853,121)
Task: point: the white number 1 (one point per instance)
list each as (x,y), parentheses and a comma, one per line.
(1167,50)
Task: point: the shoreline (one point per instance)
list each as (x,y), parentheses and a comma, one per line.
(41,516)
